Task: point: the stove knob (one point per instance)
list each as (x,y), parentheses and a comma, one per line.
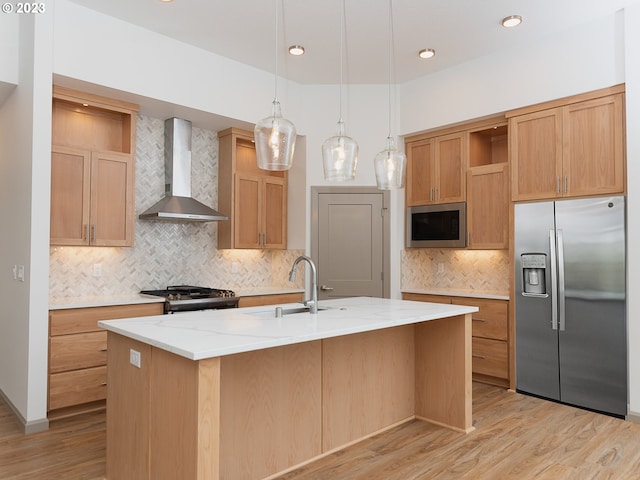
(171,296)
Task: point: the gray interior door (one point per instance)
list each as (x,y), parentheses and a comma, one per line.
(350,245)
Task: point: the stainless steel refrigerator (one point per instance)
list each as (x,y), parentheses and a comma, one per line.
(570,288)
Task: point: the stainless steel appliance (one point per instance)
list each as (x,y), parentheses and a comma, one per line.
(186,298)
(442,225)
(570,287)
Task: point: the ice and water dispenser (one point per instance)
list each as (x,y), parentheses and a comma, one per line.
(534,274)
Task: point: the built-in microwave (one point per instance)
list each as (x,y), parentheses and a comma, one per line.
(443,225)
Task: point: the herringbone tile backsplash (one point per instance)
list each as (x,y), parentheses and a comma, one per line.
(168,253)
(480,271)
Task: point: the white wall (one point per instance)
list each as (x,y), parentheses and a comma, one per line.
(585,58)
(8,54)
(632,54)
(25,152)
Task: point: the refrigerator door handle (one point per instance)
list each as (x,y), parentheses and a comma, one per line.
(554,280)
(561,301)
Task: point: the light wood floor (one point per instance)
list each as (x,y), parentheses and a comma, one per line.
(516,437)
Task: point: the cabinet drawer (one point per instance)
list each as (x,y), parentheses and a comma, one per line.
(81,320)
(77,387)
(491,319)
(82,350)
(490,357)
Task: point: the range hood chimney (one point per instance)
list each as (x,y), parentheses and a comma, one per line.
(177,205)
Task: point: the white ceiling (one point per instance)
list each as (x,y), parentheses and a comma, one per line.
(459,31)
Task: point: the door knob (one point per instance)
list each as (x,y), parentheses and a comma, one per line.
(325,288)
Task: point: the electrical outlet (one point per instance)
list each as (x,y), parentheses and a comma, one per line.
(134,357)
(441,268)
(97,269)
(21,273)
(235,267)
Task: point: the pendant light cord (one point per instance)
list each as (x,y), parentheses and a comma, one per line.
(275,94)
(389,59)
(342,28)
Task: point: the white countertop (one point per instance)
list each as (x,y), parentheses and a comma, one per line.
(101,301)
(214,333)
(106,301)
(459,293)
(255,291)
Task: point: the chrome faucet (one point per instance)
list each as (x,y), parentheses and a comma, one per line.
(313,303)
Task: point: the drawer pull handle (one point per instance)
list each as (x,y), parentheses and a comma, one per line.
(103,349)
(103,384)
(479,320)
(478,356)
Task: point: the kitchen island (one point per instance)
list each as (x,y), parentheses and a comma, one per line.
(240,394)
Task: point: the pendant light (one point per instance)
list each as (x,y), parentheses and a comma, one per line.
(390,164)
(340,153)
(275,136)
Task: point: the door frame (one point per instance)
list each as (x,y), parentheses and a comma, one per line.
(316,191)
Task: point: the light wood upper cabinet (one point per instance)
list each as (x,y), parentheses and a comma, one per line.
(573,149)
(488,188)
(488,207)
(255,200)
(436,169)
(593,146)
(91,197)
(92,170)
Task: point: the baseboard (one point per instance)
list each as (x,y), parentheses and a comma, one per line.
(633,417)
(33,426)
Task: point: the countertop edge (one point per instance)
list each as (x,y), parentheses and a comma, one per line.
(89,302)
(254,292)
(131,328)
(458,293)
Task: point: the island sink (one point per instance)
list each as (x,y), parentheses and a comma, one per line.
(279,312)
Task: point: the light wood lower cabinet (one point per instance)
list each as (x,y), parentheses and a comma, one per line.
(491,341)
(78,356)
(258,300)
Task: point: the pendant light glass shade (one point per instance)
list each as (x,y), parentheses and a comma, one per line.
(275,140)
(340,153)
(339,156)
(390,166)
(275,136)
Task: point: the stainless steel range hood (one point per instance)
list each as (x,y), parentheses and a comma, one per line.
(177,205)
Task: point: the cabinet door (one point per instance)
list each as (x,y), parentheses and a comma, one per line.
(274,213)
(593,147)
(420,158)
(450,168)
(488,207)
(247,211)
(70,193)
(111,210)
(536,155)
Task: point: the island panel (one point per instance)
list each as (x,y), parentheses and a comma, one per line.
(128,409)
(368,384)
(270,410)
(443,372)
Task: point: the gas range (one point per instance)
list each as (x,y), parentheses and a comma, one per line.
(187,298)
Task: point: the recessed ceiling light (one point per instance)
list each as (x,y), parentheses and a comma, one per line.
(166,1)
(296,50)
(426,53)
(511,21)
